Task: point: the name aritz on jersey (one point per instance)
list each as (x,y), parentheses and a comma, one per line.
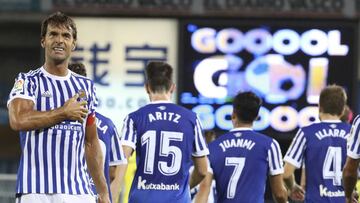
(151,186)
(169,116)
(243,143)
(331,133)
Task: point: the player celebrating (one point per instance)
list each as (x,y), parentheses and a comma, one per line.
(322,147)
(242,159)
(54,110)
(165,137)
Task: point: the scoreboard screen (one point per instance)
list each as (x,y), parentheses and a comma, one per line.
(286,63)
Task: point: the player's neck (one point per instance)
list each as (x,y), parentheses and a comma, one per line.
(238,124)
(326,116)
(159,97)
(60,69)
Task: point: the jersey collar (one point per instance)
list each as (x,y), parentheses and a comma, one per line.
(331,121)
(240,129)
(66,77)
(160,102)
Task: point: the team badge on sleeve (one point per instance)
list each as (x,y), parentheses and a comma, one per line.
(19,85)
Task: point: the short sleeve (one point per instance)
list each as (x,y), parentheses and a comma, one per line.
(116,152)
(275,159)
(128,133)
(353,143)
(295,153)
(93,99)
(23,88)
(199,146)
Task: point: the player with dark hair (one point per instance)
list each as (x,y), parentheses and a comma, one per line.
(115,161)
(54,110)
(242,159)
(165,136)
(322,148)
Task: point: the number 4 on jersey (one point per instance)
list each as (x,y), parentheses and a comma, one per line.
(332,165)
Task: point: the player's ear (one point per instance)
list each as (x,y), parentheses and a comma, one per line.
(233,116)
(147,88)
(172,88)
(42,42)
(73,46)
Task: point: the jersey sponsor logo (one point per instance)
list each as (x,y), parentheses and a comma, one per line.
(151,186)
(242,143)
(46,94)
(162,108)
(324,192)
(323,133)
(19,85)
(73,126)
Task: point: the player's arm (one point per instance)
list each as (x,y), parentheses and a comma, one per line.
(296,192)
(350,177)
(278,189)
(94,160)
(303,178)
(204,189)
(116,174)
(200,170)
(22,115)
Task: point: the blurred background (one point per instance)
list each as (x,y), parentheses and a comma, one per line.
(284,50)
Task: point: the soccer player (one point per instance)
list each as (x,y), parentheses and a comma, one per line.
(242,159)
(351,168)
(322,147)
(165,137)
(115,161)
(54,110)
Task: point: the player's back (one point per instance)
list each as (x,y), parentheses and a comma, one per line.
(166,135)
(325,156)
(240,163)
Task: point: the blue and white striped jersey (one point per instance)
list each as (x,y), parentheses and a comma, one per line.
(353,146)
(110,145)
(241,161)
(165,136)
(53,159)
(322,147)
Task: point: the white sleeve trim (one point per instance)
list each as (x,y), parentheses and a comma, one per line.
(353,155)
(120,162)
(276,172)
(21,97)
(128,143)
(292,162)
(201,153)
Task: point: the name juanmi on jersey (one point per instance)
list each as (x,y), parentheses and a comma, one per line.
(242,143)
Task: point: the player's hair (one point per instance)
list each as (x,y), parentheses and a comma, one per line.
(332,100)
(78,68)
(58,19)
(159,76)
(246,106)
